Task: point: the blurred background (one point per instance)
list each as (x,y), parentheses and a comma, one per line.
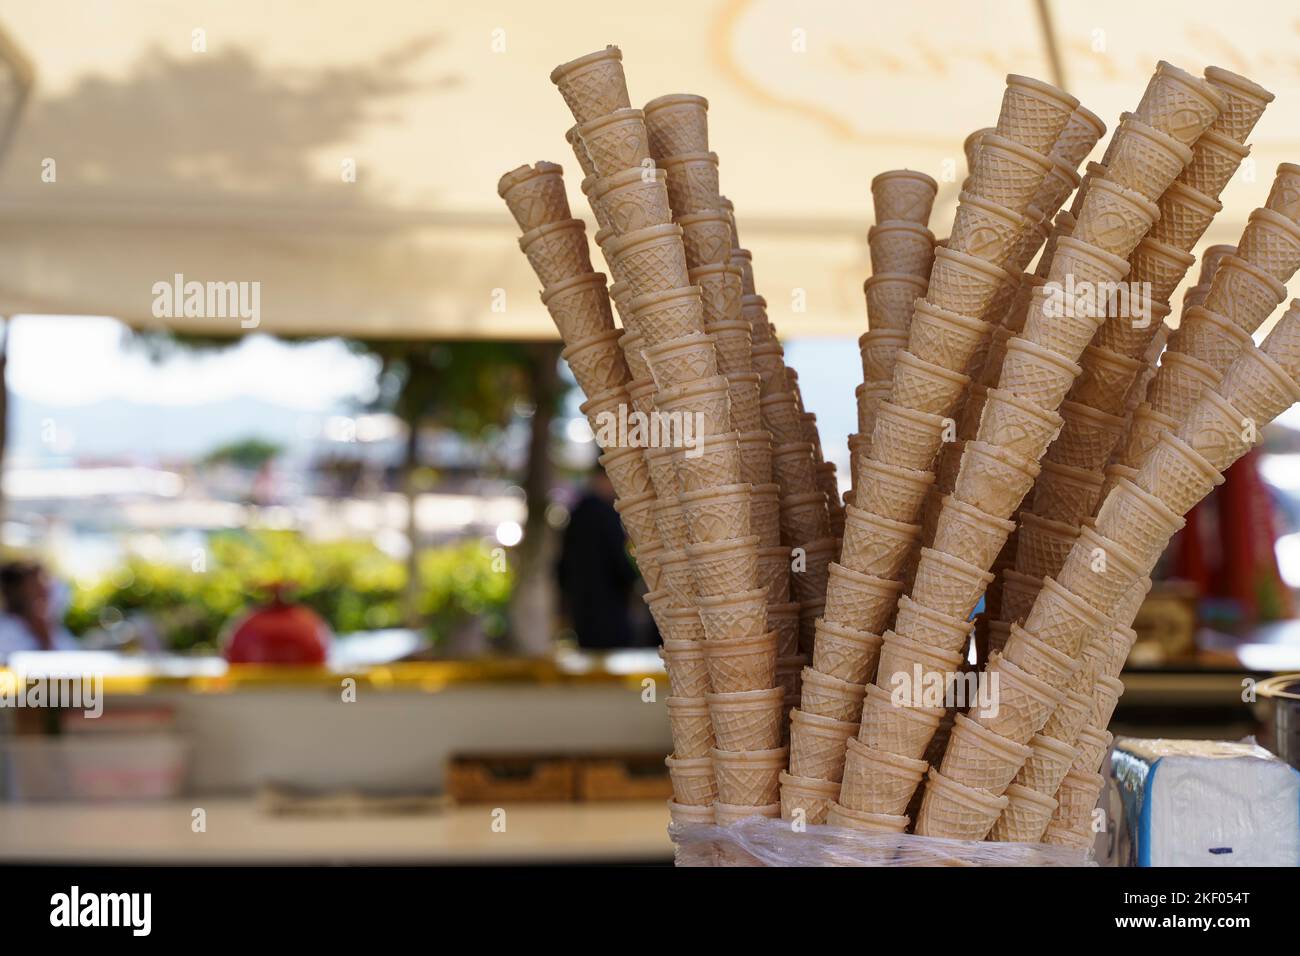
(383,473)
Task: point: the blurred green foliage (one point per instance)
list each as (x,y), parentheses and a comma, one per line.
(352,584)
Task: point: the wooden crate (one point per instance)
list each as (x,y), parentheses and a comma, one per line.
(496,778)
(638,776)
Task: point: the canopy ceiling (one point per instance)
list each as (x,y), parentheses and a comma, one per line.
(225,164)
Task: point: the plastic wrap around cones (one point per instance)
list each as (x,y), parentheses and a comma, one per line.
(678,123)
(964,284)
(1025,818)
(947,584)
(955,811)
(903,194)
(865,821)
(817,745)
(683,815)
(890,298)
(993,479)
(729,814)
(827,696)
(1007,172)
(899,246)
(1022,705)
(1245,102)
(535,195)
(593,85)
(812,797)
(859,600)
(1036,373)
(846,653)
(876,545)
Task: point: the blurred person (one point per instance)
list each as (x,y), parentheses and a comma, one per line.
(30,620)
(596,576)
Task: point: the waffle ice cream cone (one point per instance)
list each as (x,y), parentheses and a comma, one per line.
(1179,103)
(593,85)
(900,246)
(731,616)
(1259,384)
(755,467)
(894,727)
(811,796)
(627,471)
(741,663)
(1048,763)
(926,387)
(903,194)
(1088,436)
(597,362)
(1105,380)
(993,479)
(929,628)
(1093,745)
(1143,521)
(1080,135)
(774,574)
(1245,102)
(966,532)
(946,339)
(1185,214)
(1034,656)
(1042,545)
(1071,825)
(923,674)
(707,237)
(804,518)
(1114,218)
(952,810)
(948,584)
(1217,431)
(691,729)
(906,437)
(1016,425)
(651,260)
(859,600)
(876,781)
(1100,569)
(1023,702)
(1034,113)
(557,250)
(1271,242)
(749,778)
(1025,818)
(693,781)
(1007,172)
(678,124)
(1215,160)
(688,675)
(1145,159)
(616,141)
(890,298)
(985,230)
(747,720)
(876,545)
(692,182)
(846,653)
(579,306)
(879,350)
(979,758)
(1036,373)
(724,567)
(817,745)
(827,696)
(963,284)
(535,195)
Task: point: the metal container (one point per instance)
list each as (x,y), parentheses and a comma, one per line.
(1284,693)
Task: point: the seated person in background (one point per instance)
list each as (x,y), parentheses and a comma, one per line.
(595,573)
(28,622)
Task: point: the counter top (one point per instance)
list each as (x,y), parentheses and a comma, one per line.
(238,831)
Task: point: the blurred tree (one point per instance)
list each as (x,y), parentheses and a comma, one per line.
(250,453)
(474,388)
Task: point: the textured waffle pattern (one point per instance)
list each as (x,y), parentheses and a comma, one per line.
(805,520)
(984,234)
(1173,474)
(1024,819)
(849,659)
(1145,526)
(890,300)
(825,697)
(961,287)
(599,365)
(743,665)
(707,241)
(692,361)
(895,729)
(1105,380)
(718,518)
(1142,163)
(617,145)
(1034,378)
(1112,221)
(1022,431)
(678,129)
(1045,768)
(946,814)
(594,90)
(975,539)
(1173,107)
(726,572)
(656,265)
(638,205)
(903,198)
(748,726)
(581,311)
(947,587)
(559,254)
(692,733)
(1032,118)
(1097,571)
(883,492)
(1211,168)
(865,606)
(992,483)
(874,783)
(538,200)
(1067,720)
(905,440)
(1179,384)
(1005,177)
(692,185)
(1086,440)
(1255,388)
(817,749)
(720,293)
(628,474)
(1024,704)
(1271,246)
(901,250)
(1183,219)
(973,760)
(1159,266)
(747,785)
(1041,550)
(924,387)
(944,342)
